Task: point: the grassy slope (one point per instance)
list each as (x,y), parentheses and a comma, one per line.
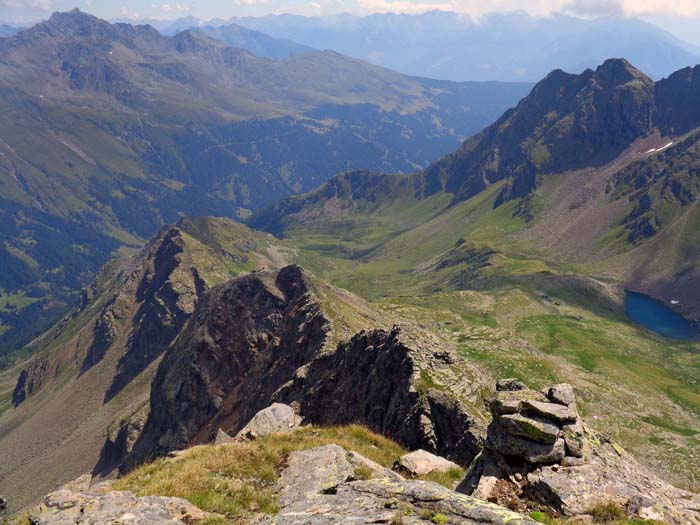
(467,274)
(237,480)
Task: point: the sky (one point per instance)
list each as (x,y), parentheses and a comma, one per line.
(681,17)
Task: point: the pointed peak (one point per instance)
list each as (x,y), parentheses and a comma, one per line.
(74,18)
(619,71)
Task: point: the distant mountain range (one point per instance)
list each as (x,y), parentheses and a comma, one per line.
(111,130)
(510,47)
(254,42)
(7,30)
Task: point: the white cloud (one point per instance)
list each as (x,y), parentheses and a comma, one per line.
(250,2)
(405,6)
(172,8)
(536,7)
(315,5)
(127,14)
(34,5)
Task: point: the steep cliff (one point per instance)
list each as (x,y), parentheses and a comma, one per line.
(267,337)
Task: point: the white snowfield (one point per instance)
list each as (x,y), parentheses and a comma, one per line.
(652,150)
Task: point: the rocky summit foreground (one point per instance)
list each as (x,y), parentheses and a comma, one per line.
(326,484)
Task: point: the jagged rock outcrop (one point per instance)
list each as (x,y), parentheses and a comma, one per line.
(318,486)
(533,426)
(539,454)
(30,380)
(121,437)
(566,122)
(167,293)
(264,338)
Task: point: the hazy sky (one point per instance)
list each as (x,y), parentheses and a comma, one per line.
(679,16)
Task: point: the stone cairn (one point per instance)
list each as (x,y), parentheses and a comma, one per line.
(537,427)
(529,428)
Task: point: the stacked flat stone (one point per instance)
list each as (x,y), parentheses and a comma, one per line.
(536,427)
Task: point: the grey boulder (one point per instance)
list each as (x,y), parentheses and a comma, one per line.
(271,420)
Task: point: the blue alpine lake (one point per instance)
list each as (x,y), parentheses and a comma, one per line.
(657,317)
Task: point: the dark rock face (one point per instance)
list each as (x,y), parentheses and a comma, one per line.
(120,441)
(264,338)
(30,380)
(105,332)
(166,302)
(368,380)
(566,122)
(678,102)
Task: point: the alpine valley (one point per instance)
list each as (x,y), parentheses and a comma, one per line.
(137,129)
(332,325)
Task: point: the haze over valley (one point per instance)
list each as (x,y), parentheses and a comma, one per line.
(420,266)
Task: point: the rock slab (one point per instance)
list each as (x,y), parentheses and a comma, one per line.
(318,488)
(421,462)
(66,507)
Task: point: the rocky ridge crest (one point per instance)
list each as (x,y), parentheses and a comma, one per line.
(265,338)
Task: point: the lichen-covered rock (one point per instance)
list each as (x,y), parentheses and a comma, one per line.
(570,476)
(574,439)
(66,507)
(552,411)
(531,428)
(362,464)
(311,472)
(79,484)
(563,393)
(421,462)
(318,488)
(278,417)
(611,476)
(510,385)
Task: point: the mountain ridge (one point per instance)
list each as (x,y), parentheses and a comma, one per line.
(601,135)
